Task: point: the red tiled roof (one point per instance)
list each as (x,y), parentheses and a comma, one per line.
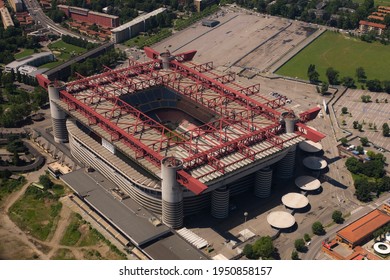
(373,24)
(365,226)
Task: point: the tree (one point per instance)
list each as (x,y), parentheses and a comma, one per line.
(324,88)
(374,85)
(312,73)
(386,84)
(294,255)
(355,124)
(16,160)
(360,149)
(337,217)
(248,251)
(332,76)
(365,98)
(363,189)
(299,245)
(344,110)
(360,127)
(318,228)
(45,181)
(354,165)
(306,236)
(364,141)
(263,248)
(348,82)
(361,74)
(385,130)
(344,141)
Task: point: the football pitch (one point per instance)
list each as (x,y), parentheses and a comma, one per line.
(344,54)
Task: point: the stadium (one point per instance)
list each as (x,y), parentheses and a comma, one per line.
(176,136)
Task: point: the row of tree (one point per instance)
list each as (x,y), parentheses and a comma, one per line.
(80,42)
(333,78)
(94,65)
(306,11)
(263,248)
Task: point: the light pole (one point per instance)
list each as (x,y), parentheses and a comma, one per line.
(245,216)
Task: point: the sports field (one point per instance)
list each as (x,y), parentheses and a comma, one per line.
(344,54)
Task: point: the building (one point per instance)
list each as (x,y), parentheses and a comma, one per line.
(378,25)
(133,28)
(367,26)
(6,18)
(17,5)
(88,16)
(36,59)
(176,136)
(361,231)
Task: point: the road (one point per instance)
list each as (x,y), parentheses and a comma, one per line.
(40,18)
(316,243)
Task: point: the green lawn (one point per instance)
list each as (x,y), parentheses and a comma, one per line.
(344,54)
(24,53)
(62,52)
(8,186)
(36,212)
(72,233)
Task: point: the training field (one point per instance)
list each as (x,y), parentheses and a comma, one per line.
(344,54)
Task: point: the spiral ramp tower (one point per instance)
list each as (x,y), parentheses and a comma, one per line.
(172,194)
(285,167)
(220,203)
(58,116)
(263,182)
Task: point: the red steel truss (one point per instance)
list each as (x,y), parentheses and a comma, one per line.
(235,131)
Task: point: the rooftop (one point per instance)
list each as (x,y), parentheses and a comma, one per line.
(138,20)
(373,24)
(126,215)
(281,219)
(295,200)
(315,163)
(307,183)
(365,226)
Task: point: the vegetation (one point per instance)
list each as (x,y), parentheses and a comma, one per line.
(79,42)
(72,234)
(294,255)
(342,53)
(63,254)
(369,177)
(262,248)
(385,130)
(344,141)
(344,110)
(337,217)
(306,237)
(318,228)
(8,186)
(364,141)
(24,53)
(299,245)
(148,40)
(36,212)
(93,65)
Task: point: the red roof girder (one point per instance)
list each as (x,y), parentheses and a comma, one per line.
(226,91)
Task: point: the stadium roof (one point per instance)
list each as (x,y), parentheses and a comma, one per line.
(363,227)
(246,128)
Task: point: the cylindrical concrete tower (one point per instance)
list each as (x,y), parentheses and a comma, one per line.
(58,116)
(286,165)
(220,203)
(289,120)
(172,195)
(263,182)
(165,57)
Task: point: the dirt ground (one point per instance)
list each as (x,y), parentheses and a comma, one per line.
(18,245)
